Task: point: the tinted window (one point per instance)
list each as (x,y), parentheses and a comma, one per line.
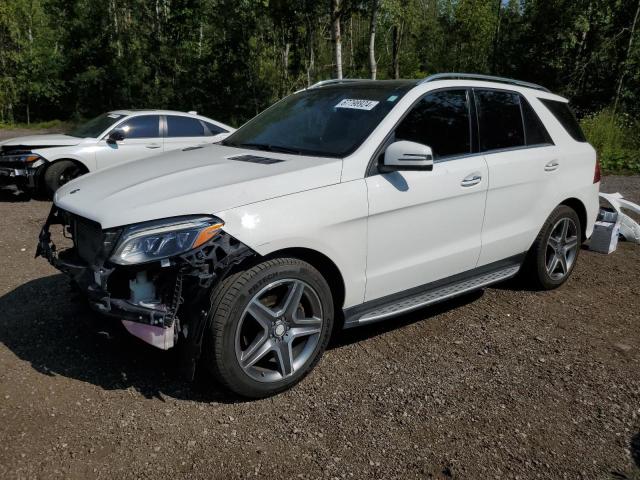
(441,121)
(566,117)
(184,127)
(94,127)
(146,126)
(213,129)
(534,131)
(330,121)
(500,119)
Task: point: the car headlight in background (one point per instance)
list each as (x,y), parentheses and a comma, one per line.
(26,157)
(165,238)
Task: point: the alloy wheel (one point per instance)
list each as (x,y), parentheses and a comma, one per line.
(279,330)
(562,248)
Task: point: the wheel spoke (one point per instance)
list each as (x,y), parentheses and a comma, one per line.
(554,243)
(292,300)
(298,332)
(307,322)
(553,264)
(285,358)
(571,243)
(562,258)
(565,229)
(263,315)
(262,346)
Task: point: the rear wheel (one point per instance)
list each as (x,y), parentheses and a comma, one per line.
(59,173)
(269,327)
(555,251)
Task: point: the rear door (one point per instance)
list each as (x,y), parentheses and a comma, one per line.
(183,131)
(141,139)
(522,159)
(425,225)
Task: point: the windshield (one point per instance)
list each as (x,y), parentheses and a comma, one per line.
(330,121)
(94,127)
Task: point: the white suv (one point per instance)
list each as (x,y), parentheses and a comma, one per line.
(343,204)
(49,161)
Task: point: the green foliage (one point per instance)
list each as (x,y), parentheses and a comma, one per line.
(616,138)
(230,59)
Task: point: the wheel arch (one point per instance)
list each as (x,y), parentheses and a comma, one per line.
(327,268)
(77,162)
(581,210)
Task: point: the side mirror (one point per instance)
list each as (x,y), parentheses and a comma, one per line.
(404,155)
(115,136)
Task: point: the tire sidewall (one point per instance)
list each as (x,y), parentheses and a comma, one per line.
(224,343)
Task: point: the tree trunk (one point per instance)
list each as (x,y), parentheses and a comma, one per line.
(373,65)
(626,59)
(397,36)
(337,39)
(496,39)
(311,60)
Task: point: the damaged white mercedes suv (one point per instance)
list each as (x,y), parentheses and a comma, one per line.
(343,204)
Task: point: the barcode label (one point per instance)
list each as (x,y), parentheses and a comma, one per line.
(357,104)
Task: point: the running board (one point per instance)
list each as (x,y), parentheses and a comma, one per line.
(427,295)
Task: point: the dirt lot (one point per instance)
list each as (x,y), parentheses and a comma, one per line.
(507,383)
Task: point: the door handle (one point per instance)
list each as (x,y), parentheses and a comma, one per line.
(551,166)
(152,145)
(471,180)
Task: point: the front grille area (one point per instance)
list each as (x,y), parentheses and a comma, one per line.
(87,237)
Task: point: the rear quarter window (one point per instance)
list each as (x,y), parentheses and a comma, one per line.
(565,116)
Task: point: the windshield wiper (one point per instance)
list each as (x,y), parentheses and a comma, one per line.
(270,148)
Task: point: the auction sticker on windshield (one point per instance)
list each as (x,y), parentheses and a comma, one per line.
(357,104)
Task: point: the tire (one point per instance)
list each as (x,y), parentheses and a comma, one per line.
(59,173)
(539,269)
(247,308)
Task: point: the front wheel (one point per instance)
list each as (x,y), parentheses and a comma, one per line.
(59,173)
(555,251)
(269,327)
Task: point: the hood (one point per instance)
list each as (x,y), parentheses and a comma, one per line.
(41,141)
(200,180)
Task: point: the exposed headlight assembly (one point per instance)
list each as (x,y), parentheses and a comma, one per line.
(161,239)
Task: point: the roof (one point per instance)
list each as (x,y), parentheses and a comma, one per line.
(131,111)
(460,78)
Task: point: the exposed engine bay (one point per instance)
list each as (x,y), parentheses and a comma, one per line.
(163,302)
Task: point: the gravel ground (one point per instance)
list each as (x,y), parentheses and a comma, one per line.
(505,383)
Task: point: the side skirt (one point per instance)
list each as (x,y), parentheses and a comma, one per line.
(438,291)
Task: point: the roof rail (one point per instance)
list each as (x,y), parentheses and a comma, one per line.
(488,78)
(335,80)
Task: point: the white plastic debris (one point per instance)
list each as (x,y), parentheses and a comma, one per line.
(629,228)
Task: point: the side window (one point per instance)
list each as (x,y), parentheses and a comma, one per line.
(184,127)
(565,116)
(534,131)
(500,119)
(213,129)
(441,121)
(146,126)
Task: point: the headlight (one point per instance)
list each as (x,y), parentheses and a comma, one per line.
(21,157)
(164,238)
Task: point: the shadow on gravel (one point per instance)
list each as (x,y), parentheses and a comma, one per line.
(635,449)
(12,194)
(46,324)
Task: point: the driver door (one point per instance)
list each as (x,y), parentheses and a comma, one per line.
(425,226)
(141,139)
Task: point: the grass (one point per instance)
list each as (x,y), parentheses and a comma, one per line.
(50,124)
(616,139)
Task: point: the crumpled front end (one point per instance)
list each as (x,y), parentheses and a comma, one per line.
(159,301)
(20,166)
